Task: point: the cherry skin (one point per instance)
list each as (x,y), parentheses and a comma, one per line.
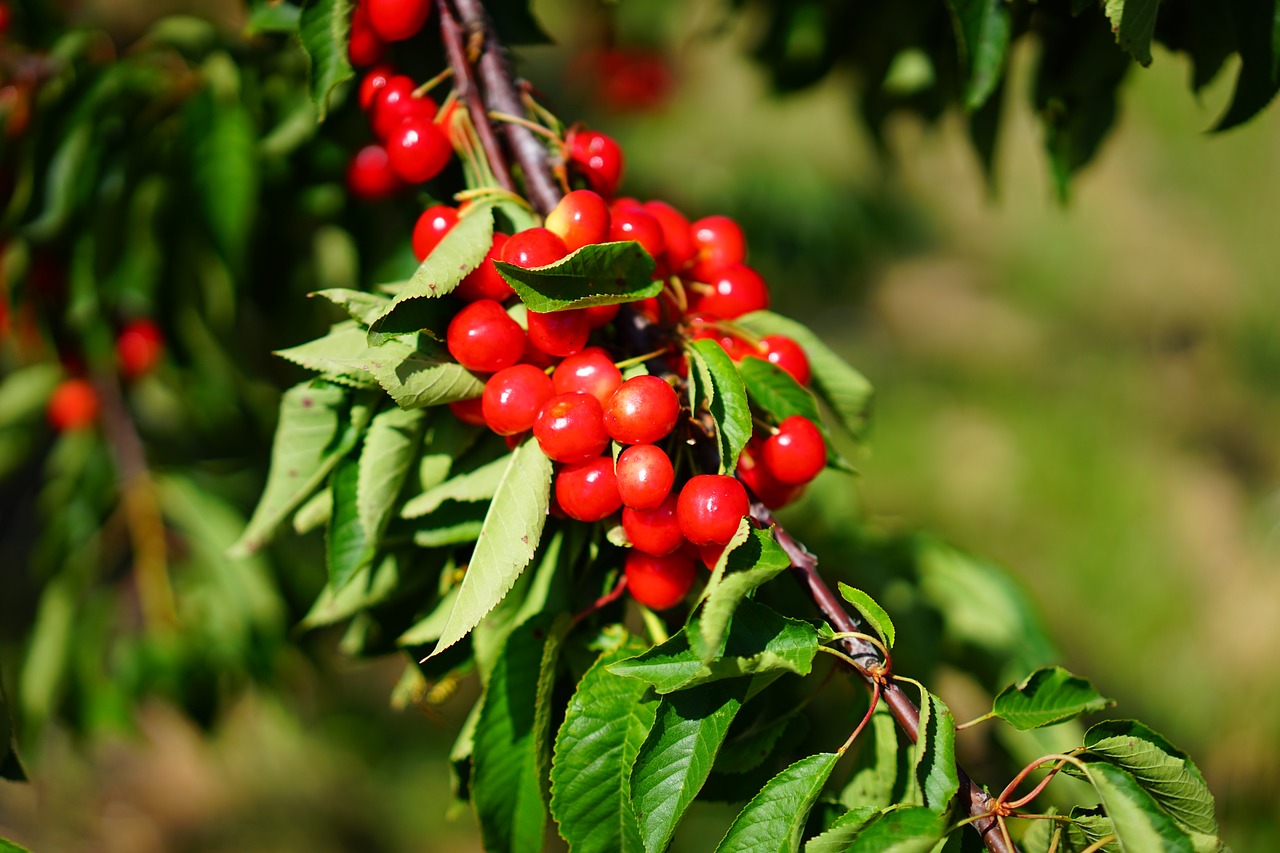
(534,247)
(485,282)
(418,150)
(138,348)
(659,582)
(559,332)
(643,410)
(580,219)
(431,227)
(513,397)
(365,47)
(397,20)
(73,405)
(755,476)
(719,242)
(372,84)
(783,352)
(601,315)
(796,453)
(588,491)
(677,239)
(645,476)
(370,177)
(570,428)
(736,289)
(705,327)
(482,337)
(469,411)
(538,358)
(633,223)
(394,103)
(710,507)
(591,372)
(599,158)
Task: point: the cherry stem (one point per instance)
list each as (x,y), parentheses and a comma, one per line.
(641,359)
(1027,771)
(465,86)
(524,122)
(608,598)
(434,81)
(866,718)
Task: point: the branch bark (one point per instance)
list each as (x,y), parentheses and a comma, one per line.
(464,82)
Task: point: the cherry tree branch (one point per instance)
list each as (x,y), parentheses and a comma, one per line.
(464,82)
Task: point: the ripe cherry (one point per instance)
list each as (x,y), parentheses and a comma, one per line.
(633,223)
(588,491)
(783,352)
(431,227)
(736,289)
(138,348)
(418,150)
(659,582)
(719,242)
(394,104)
(365,48)
(645,476)
(370,177)
(482,337)
(570,428)
(710,507)
(397,20)
(513,397)
(796,453)
(534,247)
(73,405)
(643,410)
(770,491)
(373,83)
(469,411)
(591,372)
(601,315)
(706,327)
(580,219)
(598,157)
(559,332)
(676,236)
(538,358)
(485,282)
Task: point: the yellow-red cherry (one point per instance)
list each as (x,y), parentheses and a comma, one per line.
(588,491)
(645,475)
(482,337)
(591,371)
(643,410)
(796,453)
(570,427)
(513,397)
(656,582)
(710,507)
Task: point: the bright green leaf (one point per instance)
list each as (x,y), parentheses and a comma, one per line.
(413,378)
(269,17)
(224,170)
(598,274)
(7,846)
(837,836)
(774,820)
(870,609)
(719,387)
(757,561)
(339,352)
(883,772)
(1134,22)
(935,749)
(1137,820)
(1047,696)
(775,392)
(451,524)
(372,585)
(897,829)
(325,28)
(477,485)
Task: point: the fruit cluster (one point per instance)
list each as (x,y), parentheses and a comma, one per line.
(74,403)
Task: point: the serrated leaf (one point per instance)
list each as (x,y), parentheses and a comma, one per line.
(757,561)
(1257,38)
(776,392)
(871,610)
(338,352)
(451,524)
(897,829)
(1047,696)
(837,836)
(1090,827)
(325,28)
(1137,820)
(719,387)
(844,389)
(982,38)
(477,485)
(596,747)
(883,778)
(390,446)
(361,306)
(310,439)
(348,549)
(7,846)
(413,378)
(1134,22)
(935,750)
(775,818)
(512,529)
(597,274)
(677,756)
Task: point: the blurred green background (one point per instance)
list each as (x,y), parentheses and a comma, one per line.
(1086,395)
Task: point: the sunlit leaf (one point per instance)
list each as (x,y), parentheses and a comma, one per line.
(774,820)
(870,609)
(1047,696)
(597,274)
(325,28)
(719,387)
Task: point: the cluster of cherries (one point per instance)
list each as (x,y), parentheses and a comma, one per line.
(74,403)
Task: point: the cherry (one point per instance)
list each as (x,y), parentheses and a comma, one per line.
(469,411)
(645,476)
(365,47)
(588,491)
(649,308)
(783,352)
(139,347)
(397,20)
(485,282)
(559,332)
(394,103)
(720,242)
(710,507)
(580,219)
(591,372)
(711,554)
(598,157)
(369,176)
(601,315)
(482,337)
(513,397)
(736,289)
(796,453)
(534,247)
(659,582)
(755,476)
(373,83)
(643,410)
(536,357)
(705,327)
(633,223)
(570,428)
(680,248)
(418,150)
(73,405)
(431,227)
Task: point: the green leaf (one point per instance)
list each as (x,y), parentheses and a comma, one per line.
(935,764)
(758,560)
(371,586)
(604,727)
(1047,696)
(339,352)
(7,846)
(10,766)
(1257,36)
(982,38)
(1137,820)
(361,306)
(413,378)
(776,392)
(837,836)
(1134,22)
(310,439)
(677,756)
(348,549)
(720,388)
(25,392)
(774,820)
(451,524)
(882,778)
(598,274)
(512,529)
(478,485)
(390,446)
(875,615)
(222,141)
(844,389)
(897,829)
(325,29)
(269,17)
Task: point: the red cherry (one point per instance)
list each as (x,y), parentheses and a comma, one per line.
(373,83)
(643,410)
(570,428)
(431,227)
(720,242)
(782,352)
(580,219)
(658,582)
(588,491)
(598,157)
(633,223)
(538,358)
(138,348)
(369,176)
(705,327)
(796,453)
(591,372)
(677,239)
(710,507)
(735,290)
(710,555)
(645,476)
(513,397)
(397,20)
(755,476)
(485,282)
(649,308)
(601,315)
(482,337)
(6,17)
(469,411)
(74,405)
(418,150)
(534,247)
(559,332)
(365,48)
(394,104)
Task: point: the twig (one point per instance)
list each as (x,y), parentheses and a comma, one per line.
(465,86)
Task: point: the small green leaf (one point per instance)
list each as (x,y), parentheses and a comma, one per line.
(1134,22)
(598,274)
(776,392)
(325,28)
(897,829)
(25,392)
(883,772)
(339,352)
(875,615)
(369,587)
(1047,696)
(1137,820)
(413,378)
(935,767)
(719,387)
(982,36)
(757,561)
(508,541)
(268,17)
(348,549)
(477,485)
(774,820)
(390,446)
(363,307)
(451,524)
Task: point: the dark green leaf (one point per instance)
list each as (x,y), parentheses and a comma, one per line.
(1134,22)
(1047,696)
(599,274)
(718,386)
(775,392)
(325,29)
(269,17)
(837,836)
(897,829)
(982,36)
(871,610)
(758,560)
(775,818)
(1257,32)
(935,769)
(222,140)
(1137,820)
(451,524)
(348,549)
